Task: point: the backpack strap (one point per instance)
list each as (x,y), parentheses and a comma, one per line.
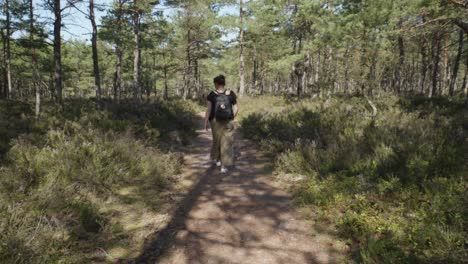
(226,92)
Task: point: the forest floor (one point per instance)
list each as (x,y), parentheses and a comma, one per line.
(241,217)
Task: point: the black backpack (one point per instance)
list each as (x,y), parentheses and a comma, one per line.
(223,107)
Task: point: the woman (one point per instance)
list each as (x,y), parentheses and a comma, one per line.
(221,110)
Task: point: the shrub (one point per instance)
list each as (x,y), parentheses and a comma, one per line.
(393,185)
(57,173)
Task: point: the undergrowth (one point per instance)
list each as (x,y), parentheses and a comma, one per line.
(64,178)
(394,186)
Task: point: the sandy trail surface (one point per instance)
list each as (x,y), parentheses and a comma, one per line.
(239,217)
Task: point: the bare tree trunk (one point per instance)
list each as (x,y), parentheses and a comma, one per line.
(331,71)
(362,74)
(436,43)
(262,77)
(298,70)
(177,87)
(255,70)
(423,66)
(118,74)
(399,72)
(4,82)
(8,49)
(119,54)
(305,77)
(35,74)
(241,51)
(371,79)
(188,66)
(97,79)
(136,51)
(196,79)
(317,73)
(58,50)
(166,90)
(456,63)
(445,71)
(346,73)
(412,79)
(465,79)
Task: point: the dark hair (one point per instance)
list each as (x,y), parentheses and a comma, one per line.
(220,80)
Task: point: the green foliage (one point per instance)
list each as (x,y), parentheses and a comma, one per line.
(393,185)
(61,172)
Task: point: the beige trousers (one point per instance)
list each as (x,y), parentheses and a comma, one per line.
(223,142)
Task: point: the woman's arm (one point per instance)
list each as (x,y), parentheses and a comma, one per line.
(235,108)
(207,114)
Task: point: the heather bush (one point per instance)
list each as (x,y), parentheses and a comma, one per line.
(61,176)
(392,185)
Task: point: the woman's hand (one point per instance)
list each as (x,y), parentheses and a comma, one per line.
(207,115)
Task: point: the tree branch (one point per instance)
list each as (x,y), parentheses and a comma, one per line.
(461,24)
(425,23)
(70,4)
(463,4)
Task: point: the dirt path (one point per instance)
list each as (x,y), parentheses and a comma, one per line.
(241,217)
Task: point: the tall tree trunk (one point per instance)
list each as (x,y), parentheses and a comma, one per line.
(154,79)
(136,51)
(445,82)
(317,74)
(465,79)
(423,66)
(4,81)
(298,70)
(35,74)
(97,79)
(255,69)
(456,63)
(188,68)
(371,79)
(58,50)
(399,73)
(346,73)
(8,49)
(412,79)
(118,74)
(241,51)
(262,77)
(195,78)
(332,70)
(436,45)
(166,89)
(305,77)
(119,54)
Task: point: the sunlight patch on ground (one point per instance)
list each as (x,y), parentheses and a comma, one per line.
(134,213)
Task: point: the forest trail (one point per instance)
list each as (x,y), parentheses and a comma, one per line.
(241,217)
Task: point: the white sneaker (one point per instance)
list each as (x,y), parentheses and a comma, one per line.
(217,163)
(224,170)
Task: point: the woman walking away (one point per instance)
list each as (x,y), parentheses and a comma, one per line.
(221,110)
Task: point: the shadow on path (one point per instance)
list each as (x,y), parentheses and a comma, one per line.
(241,217)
